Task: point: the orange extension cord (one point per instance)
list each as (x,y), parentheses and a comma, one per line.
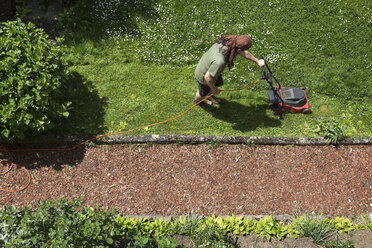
(12,164)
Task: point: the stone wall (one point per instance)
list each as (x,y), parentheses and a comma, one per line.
(6,10)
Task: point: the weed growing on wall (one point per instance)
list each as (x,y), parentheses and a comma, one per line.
(331,128)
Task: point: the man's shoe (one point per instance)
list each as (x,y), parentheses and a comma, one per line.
(205,102)
(215,100)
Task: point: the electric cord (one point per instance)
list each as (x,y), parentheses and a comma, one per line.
(12,165)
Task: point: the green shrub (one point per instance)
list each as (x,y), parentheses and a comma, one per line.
(135,238)
(212,236)
(62,223)
(9,225)
(59,223)
(31,74)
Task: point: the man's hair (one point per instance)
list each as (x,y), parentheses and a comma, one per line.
(233,43)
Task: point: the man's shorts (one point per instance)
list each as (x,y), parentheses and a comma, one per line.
(204,89)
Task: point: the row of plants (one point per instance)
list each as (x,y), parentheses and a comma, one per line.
(69,223)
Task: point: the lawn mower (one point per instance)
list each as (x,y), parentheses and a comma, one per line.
(282,99)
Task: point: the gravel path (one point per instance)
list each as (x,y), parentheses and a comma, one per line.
(206,179)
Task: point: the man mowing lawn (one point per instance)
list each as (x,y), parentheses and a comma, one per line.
(208,72)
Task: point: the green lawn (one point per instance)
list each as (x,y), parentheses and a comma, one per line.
(139,70)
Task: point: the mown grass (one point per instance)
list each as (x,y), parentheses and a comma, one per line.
(141,68)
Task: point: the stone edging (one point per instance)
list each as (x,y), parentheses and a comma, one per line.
(200,139)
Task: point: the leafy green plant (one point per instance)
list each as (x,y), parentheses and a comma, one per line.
(331,129)
(342,225)
(60,223)
(318,230)
(135,238)
(268,227)
(9,228)
(31,74)
(369,226)
(211,236)
(20,6)
(234,224)
(189,224)
(90,144)
(127,224)
(337,243)
(163,227)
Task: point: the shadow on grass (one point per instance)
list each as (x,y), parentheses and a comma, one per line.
(244,118)
(85,120)
(87,109)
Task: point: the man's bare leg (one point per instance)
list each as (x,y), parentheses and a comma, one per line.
(215,100)
(198,98)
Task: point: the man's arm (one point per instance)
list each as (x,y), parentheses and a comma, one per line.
(208,78)
(249,56)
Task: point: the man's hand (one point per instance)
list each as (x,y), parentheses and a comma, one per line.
(208,78)
(249,56)
(261,62)
(216,91)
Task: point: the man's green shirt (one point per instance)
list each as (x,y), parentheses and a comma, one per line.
(212,61)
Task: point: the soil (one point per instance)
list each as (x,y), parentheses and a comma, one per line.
(204,179)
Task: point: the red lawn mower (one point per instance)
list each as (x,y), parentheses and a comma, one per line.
(282,99)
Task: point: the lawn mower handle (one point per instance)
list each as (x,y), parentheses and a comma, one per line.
(270,75)
(269,79)
(264,72)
